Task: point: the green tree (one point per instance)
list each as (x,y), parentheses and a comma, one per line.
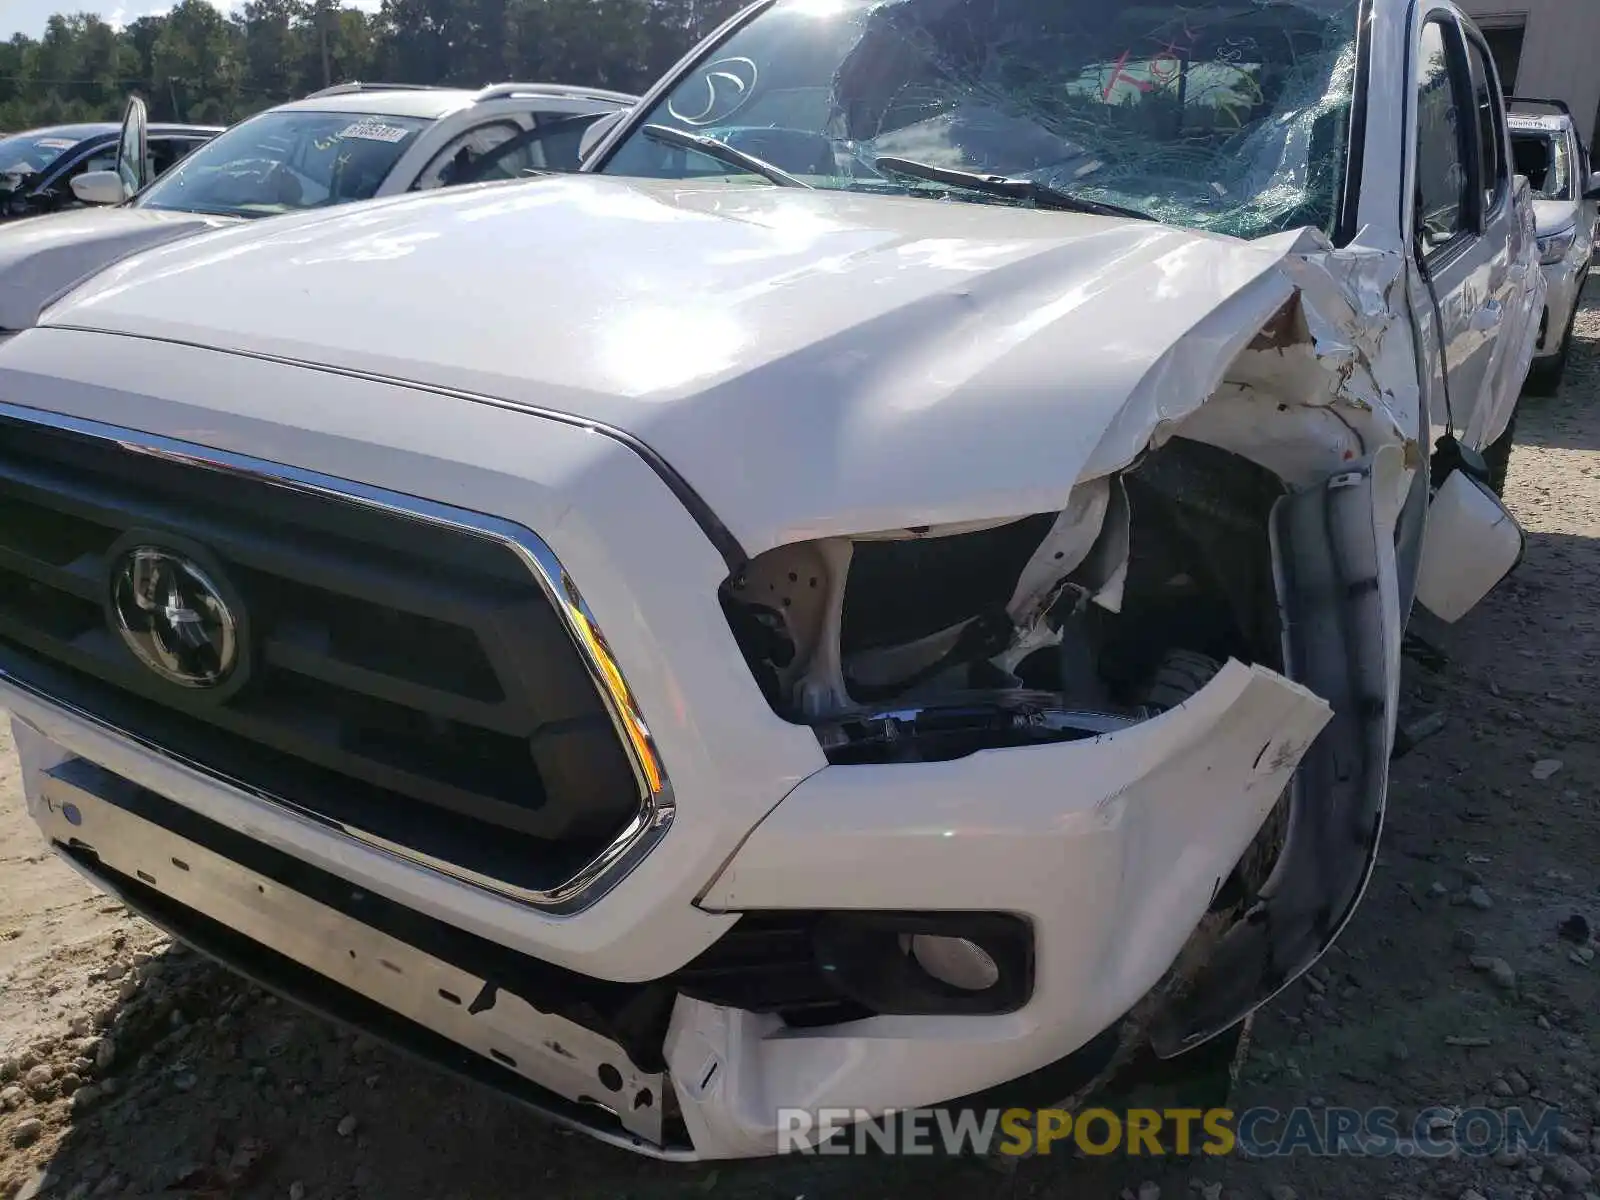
(199,58)
(194,64)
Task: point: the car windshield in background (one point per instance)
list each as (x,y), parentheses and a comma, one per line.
(1543,158)
(30,154)
(283,161)
(1215,114)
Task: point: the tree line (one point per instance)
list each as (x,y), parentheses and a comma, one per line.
(196,64)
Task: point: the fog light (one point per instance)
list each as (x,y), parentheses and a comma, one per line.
(955,961)
(909,963)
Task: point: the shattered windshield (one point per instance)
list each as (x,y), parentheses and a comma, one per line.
(1224,115)
(1544,159)
(286,160)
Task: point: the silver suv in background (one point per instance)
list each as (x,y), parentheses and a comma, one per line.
(1546,148)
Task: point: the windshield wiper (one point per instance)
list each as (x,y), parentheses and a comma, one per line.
(723,153)
(1029,190)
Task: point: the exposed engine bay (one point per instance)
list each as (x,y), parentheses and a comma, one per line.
(927,644)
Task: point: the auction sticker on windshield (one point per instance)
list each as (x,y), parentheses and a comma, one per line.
(374,131)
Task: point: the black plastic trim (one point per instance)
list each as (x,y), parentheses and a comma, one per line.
(1349,221)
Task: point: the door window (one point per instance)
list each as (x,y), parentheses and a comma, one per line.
(166,151)
(132,148)
(1443,122)
(553,144)
(1494,171)
(462,151)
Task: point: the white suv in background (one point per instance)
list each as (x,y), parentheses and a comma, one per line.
(350,142)
(1547,149)
(356,141)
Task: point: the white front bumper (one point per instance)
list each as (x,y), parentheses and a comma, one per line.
(1111,847)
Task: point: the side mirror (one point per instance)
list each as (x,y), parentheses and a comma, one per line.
(99,187)
(1592,192)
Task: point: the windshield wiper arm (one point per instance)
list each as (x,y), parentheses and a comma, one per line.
(1029,190)
(723,153)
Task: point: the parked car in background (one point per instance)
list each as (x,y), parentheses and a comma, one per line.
(356,141)
(39,166)
(1546,148)
(350,142)
(883,589)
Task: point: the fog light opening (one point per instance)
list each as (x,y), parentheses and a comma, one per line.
(914,964)
(955,961)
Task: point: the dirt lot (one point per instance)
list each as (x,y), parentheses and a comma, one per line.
(1464,980)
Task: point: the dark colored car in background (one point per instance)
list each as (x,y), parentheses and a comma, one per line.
(37,166)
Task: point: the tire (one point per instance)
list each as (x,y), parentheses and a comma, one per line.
(1544,378)
(1497,456)
(1181,674)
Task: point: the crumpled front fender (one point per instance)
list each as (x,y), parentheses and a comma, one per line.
(1339,603)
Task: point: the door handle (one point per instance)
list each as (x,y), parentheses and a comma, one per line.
(1487,317)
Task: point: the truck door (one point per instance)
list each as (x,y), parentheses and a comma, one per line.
(1453,208)
(1508,249)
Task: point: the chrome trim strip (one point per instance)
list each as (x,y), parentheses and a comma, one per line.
(657,803)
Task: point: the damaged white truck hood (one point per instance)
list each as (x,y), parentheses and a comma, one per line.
(812,362)
(43,256)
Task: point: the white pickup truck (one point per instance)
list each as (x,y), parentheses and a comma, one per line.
(884,590)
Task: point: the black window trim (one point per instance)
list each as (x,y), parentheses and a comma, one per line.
(1502,195)
(1347,222)
(1460,82)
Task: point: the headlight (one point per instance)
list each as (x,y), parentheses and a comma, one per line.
(1553,248)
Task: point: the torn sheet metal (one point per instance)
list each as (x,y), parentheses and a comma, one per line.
(1306,370)
(1331,378)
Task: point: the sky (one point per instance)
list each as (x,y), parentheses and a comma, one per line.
(29,16)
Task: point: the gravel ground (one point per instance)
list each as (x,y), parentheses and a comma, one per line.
(131,1068)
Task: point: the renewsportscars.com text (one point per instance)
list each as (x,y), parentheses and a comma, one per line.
(1254,1132)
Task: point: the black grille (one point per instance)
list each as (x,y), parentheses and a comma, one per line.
(408,679)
